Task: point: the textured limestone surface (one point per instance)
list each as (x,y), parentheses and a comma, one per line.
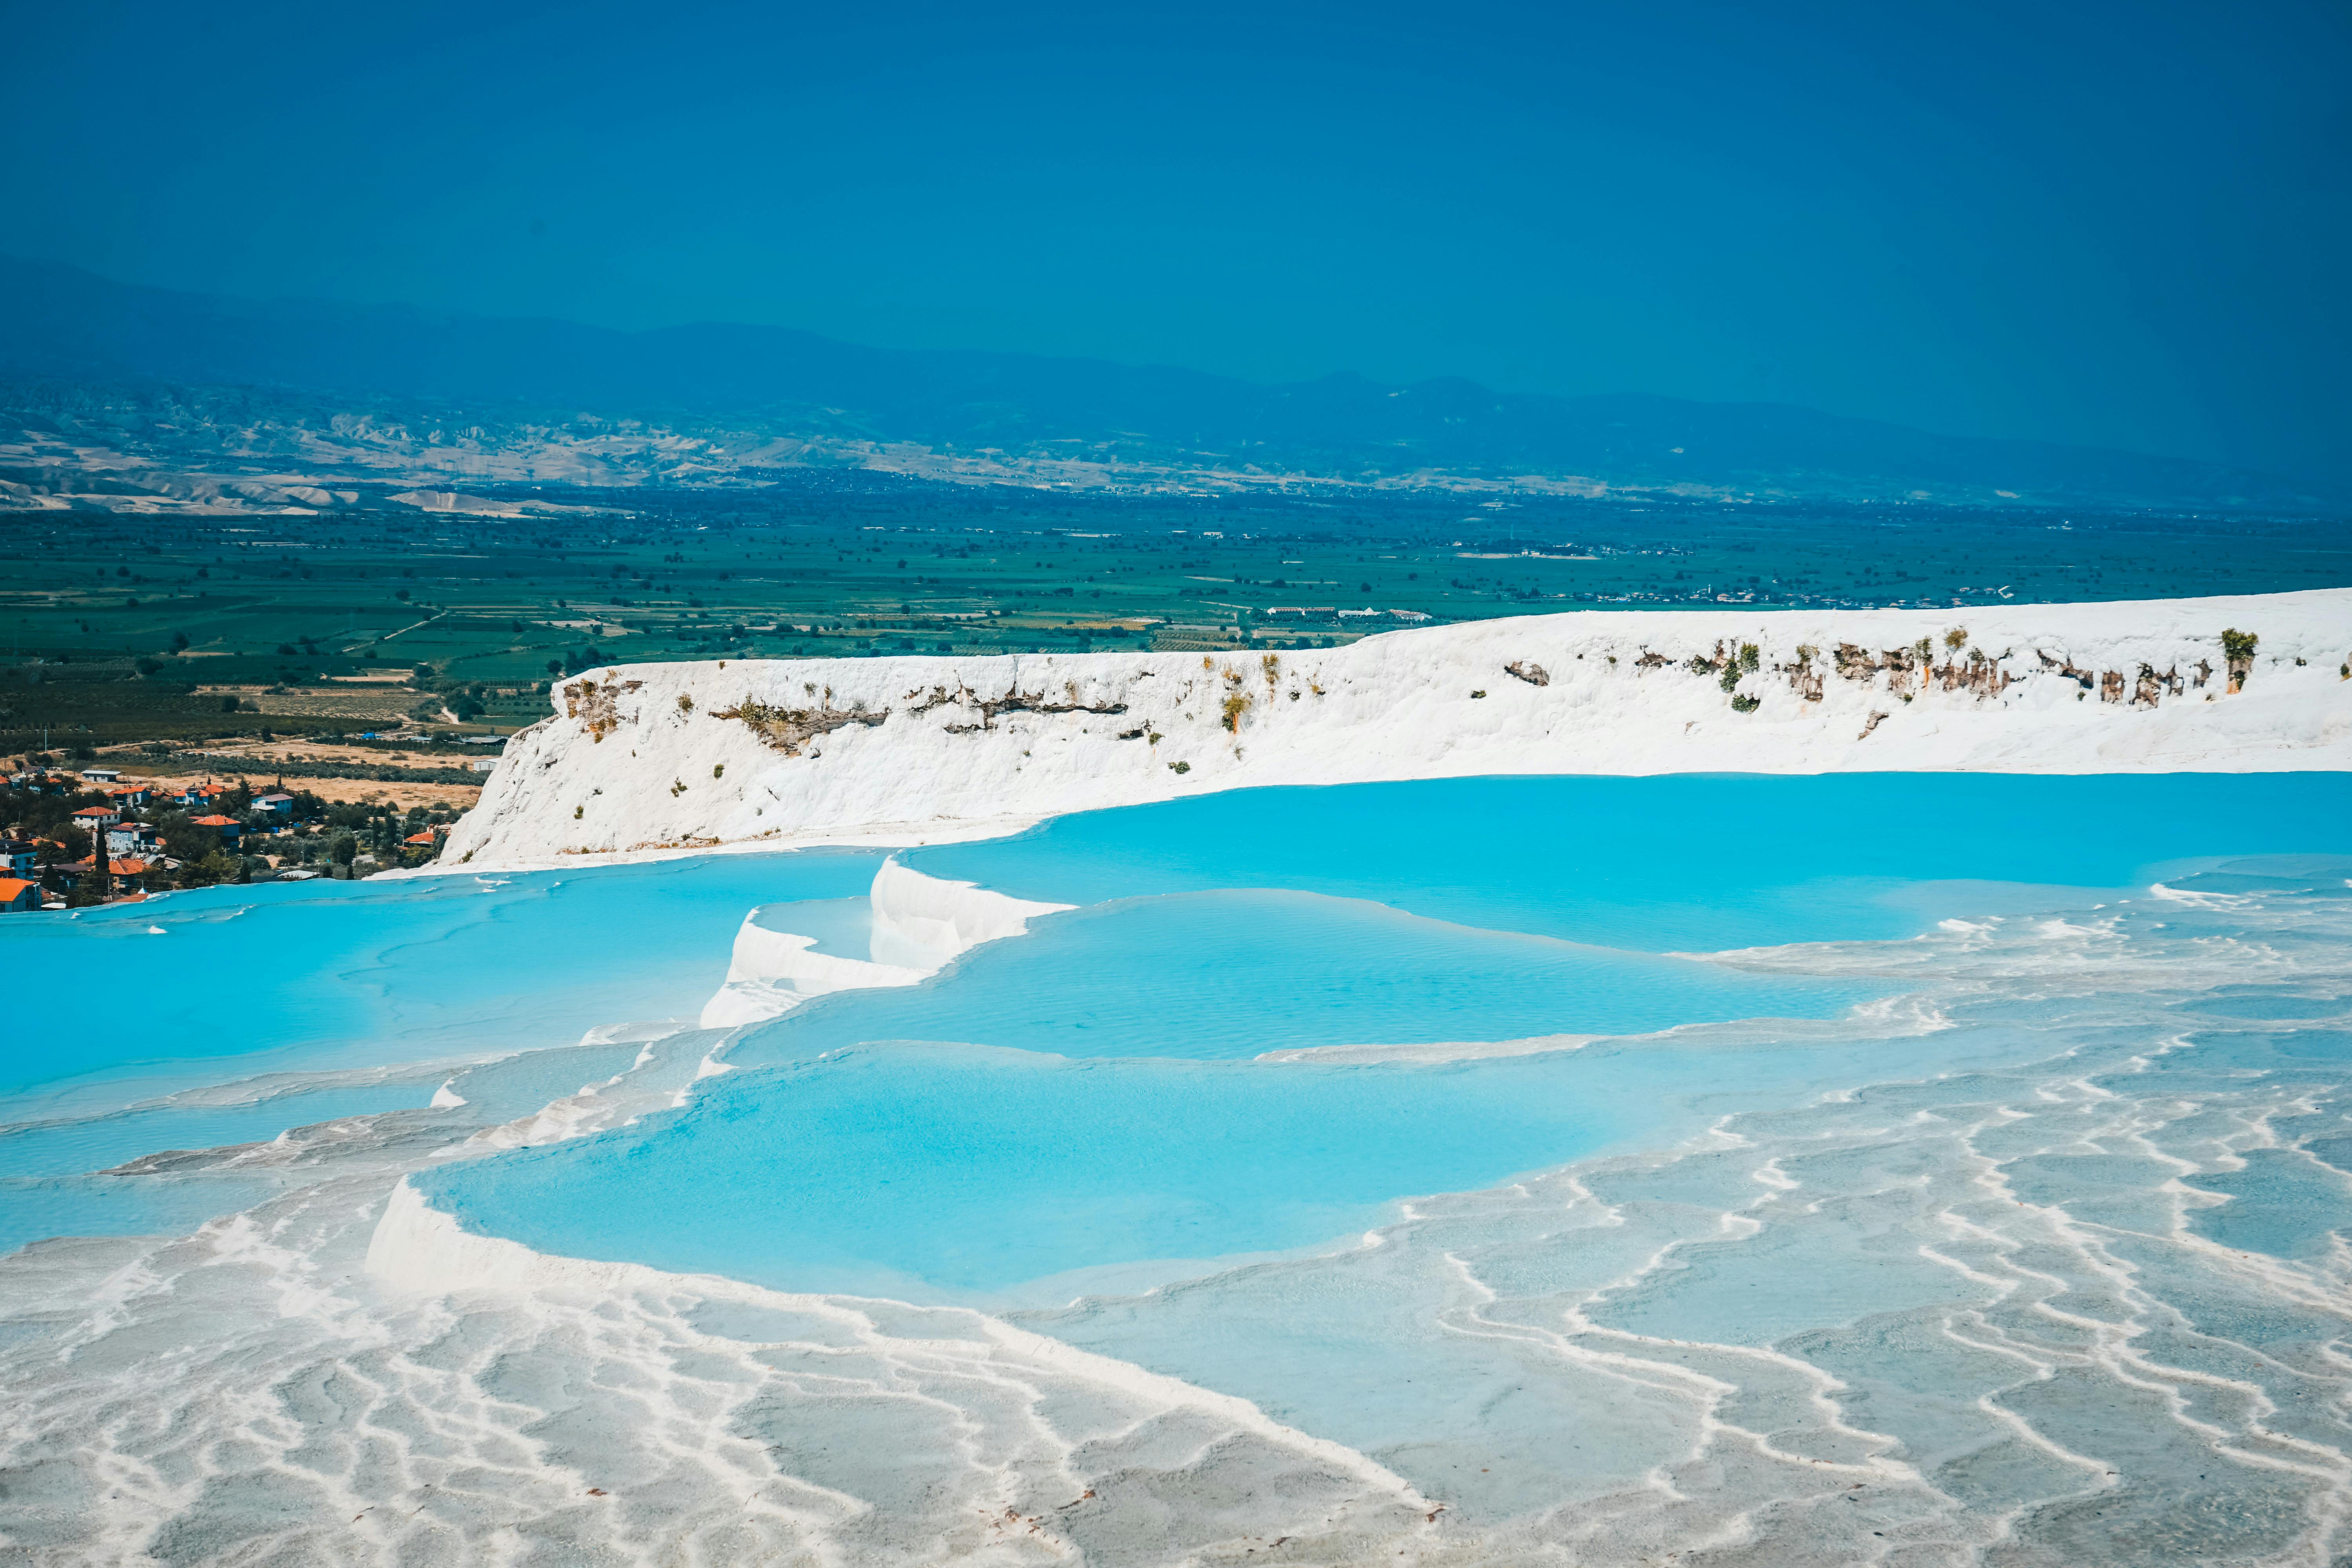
(650,760)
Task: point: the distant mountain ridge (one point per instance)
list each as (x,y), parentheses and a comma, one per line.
(62,324)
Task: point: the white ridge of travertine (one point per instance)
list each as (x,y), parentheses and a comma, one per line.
(419,1250)
(772,972)
(638,762)
(920,924)
(923,921)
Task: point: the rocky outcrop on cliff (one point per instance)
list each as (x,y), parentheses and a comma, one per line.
(659,759)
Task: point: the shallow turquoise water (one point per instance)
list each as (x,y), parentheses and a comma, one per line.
(1958,1194)
(1030,1165)
(1684,862)
(35,1208)
(234,1015)
(1239,974)
(1047,1127)
(67,1145)
(319,976)
(942,1173)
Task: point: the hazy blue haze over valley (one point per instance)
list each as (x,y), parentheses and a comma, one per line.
(91,358)
(2099,224)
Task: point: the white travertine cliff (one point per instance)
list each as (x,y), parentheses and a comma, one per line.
(647,760)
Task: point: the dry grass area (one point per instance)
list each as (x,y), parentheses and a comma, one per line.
(460,797)
(358,758)
(385,703)
(1179,642)
(457,798)
(295,749)
(259,756)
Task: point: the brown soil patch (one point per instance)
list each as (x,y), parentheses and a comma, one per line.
(387,704)
(403,796)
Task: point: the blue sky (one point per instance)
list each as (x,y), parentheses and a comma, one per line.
(2119,225)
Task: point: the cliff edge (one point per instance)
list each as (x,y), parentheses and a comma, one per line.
(664,759)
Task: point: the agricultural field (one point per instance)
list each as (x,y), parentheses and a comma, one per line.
(176,632)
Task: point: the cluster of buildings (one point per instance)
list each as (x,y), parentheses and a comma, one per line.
(20,864)
(124,847)
(1333,612)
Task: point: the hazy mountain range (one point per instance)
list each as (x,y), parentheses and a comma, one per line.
(410,394)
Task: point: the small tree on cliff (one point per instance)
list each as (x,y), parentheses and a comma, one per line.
(2237,654)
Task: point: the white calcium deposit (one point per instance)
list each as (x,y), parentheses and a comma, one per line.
(648,760)
(919,923)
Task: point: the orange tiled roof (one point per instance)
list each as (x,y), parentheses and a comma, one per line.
(217,821)
(13,888)
(117,867)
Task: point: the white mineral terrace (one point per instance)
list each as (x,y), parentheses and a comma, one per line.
(665,759)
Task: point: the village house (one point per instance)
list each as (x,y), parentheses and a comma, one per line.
(16,894)
(96,819)
(102,775)
(130,838)
(19,857)
(120,883)
(128,797)
(229,828)
(277,804)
